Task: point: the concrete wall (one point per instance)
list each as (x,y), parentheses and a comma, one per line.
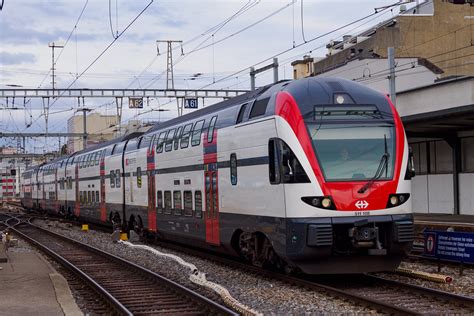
(433,194)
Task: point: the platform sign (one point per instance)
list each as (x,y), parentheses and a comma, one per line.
(191,103)
(135,103)
(454,246)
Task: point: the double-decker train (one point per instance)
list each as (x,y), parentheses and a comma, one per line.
(310,175)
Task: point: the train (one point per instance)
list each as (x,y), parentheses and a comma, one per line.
(310,175)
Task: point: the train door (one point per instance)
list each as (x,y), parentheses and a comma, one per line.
(150,159)
(77,207)
(103,210)
(212,205)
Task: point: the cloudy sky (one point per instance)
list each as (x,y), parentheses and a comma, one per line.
(221,40)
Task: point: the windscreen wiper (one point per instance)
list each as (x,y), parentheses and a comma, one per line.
(383,165)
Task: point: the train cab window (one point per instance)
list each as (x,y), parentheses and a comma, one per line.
(97,196)
(168,206)
(188,203)
(178,207)
(159,201)
(198,204)
(117,178)
(139,177)
(112,178)
(210,130)
(186,134)
(169,140)
(233,169)
(177,136)
(240,117)
(196,138)
(259,108)
(160,142)
(284,166)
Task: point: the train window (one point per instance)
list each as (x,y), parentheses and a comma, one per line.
(160,142)
(210,130)
(89,199)
(259,108)
(196,138)
(177,203)
(159,201)
(117,178)
(109,150)
(144,142)
(92,197)
(240,117)
(233,169)
(177,136)
(112,179)
(168,206)
(97,196)
(198,203)
(273,162)
(131,145)
(99,155)
(188,203)
(118,149)
(169,140)
(186,134)
(139,177)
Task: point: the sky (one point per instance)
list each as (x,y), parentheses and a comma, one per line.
(221,41)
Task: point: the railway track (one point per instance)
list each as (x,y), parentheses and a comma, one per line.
(383,295)
(127,288)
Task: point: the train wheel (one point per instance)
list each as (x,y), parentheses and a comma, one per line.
(256,248)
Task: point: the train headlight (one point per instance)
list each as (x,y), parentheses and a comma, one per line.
(394,200)
(397,199)
(326,203)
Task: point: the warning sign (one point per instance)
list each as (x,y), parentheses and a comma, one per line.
(454,246)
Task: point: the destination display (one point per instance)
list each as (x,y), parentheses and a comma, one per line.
(454,246)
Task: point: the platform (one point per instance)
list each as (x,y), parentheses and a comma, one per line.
(458,222)
(29,285)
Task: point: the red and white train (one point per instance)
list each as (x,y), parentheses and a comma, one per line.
(312,175)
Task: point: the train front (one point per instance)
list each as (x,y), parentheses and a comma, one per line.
(344,151)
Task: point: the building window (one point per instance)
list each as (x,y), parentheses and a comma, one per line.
(139,177)
(159,201)
(188,203)
(177,202)
(167,202)
(467,154)
(198,203)
(233,169)
(444,157)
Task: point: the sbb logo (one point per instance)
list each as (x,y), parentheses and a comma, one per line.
(362,204)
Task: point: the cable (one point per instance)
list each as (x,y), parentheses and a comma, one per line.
(302,23)
(103,52)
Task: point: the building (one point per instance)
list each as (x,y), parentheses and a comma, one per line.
(434,57)
(99,128)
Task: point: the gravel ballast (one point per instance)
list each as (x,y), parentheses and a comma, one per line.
(263,295)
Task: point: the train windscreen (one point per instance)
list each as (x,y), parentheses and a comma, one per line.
(354,152)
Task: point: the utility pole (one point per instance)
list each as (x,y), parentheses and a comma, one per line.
(169,60)
(53,63)
(391,65)
(254,71)
(84,121)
